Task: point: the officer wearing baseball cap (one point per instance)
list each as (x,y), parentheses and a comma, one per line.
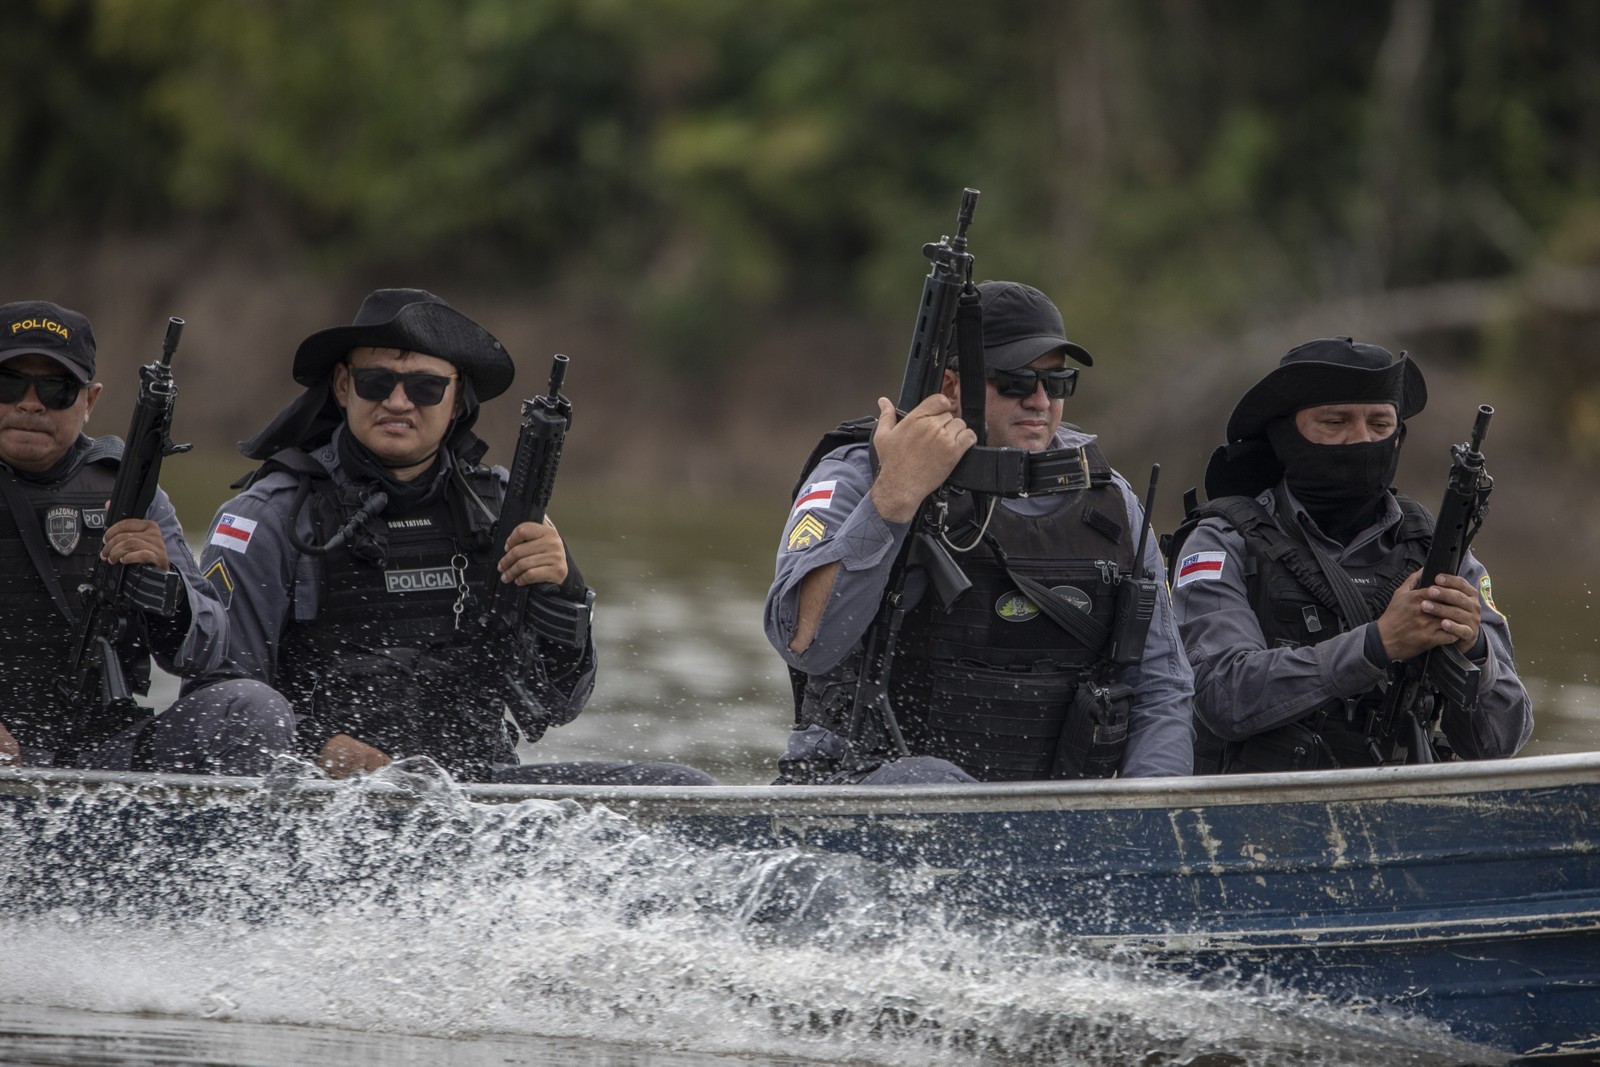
(987,690)
(1293,585)
(54,484)
(354,552)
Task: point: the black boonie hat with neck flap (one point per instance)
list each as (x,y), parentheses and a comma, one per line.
(1329,370)
(413,320)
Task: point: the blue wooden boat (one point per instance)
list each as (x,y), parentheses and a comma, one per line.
(1465,893)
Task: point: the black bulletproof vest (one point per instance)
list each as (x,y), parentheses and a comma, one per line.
(988,685)
(1296,607)
(379,661)
(71,518)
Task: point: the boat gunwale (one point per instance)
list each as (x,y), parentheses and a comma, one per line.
(1398,783)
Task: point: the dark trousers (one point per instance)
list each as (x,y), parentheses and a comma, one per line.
(236,727)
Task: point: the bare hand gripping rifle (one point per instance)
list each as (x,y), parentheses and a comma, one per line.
(1413,700)
(116,595)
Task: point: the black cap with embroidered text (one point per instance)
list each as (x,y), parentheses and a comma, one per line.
(38,327)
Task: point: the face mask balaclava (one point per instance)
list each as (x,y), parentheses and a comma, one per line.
(1341,486)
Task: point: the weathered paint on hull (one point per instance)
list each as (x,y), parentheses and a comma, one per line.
(1468,893)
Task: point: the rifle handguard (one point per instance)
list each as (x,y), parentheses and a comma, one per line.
(154,592)
(555,618)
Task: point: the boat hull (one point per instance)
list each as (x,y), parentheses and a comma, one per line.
(1468,893)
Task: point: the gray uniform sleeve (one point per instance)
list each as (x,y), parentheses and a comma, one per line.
(833,521)
(252,567)
(1242,687)
(1503,721)
(204,644)
(1161,726)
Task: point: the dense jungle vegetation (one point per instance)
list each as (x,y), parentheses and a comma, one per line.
(1180,174)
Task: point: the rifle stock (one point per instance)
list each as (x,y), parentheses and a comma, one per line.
(94,679)
(1441,673)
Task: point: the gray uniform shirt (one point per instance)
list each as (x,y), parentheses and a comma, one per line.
(267,583)
(835,520)
(1243,688)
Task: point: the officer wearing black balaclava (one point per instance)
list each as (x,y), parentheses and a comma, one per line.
(1294,587)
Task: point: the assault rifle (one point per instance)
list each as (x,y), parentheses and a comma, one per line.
(509,609)
(946,291)
(545,421)
(116,594)
(1419,684)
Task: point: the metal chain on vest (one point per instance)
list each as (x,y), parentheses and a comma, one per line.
(458,564)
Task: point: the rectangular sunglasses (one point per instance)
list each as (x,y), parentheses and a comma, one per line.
(422,389)
(1059,382)
(55,391)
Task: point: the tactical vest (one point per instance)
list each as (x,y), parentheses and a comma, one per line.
(995,685)
(382,660)
(71,517)
(1296,607)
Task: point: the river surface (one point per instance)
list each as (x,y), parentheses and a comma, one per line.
(610,947)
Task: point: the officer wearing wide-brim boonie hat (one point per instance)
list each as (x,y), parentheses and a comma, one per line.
(1020,324)
(1329,370)
(412,320)
(38,327)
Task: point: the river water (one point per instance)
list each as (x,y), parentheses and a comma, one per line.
(594,942)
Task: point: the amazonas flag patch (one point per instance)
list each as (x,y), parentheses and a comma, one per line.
(815,495)
(1199,567)
(233,532)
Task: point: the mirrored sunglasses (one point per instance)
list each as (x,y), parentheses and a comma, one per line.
(422,389)
(1058,383)
(55,391)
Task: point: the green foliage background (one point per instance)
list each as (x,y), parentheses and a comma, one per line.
(1164,168)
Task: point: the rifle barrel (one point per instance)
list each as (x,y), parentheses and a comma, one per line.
(1480,427)
(169,345)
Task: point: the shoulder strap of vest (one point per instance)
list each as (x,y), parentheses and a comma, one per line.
(22,514)
(1243,513)
(850,432)
(107,449)
(1416,521)
(475,509)
(293,460)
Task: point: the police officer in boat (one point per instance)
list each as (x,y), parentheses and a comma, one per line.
(55,482)
(357,557)
(996,688)
(1288,674)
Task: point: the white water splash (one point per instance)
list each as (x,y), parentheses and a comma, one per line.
(448,919)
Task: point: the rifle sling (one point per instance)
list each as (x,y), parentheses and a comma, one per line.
(17,502)
(1063,612)
(1352,605)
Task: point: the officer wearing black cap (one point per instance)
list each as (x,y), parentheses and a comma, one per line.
(359,549)
(1301,500)
(985,691)
(54,484)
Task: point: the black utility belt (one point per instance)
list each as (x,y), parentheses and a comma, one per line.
(1018,472)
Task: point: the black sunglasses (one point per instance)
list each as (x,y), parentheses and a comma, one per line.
(422,389)
(55,391)
(1058,383)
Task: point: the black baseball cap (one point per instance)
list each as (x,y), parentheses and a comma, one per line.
(1020,324)
(38,327)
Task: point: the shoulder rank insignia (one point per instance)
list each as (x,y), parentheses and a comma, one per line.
(807,532)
